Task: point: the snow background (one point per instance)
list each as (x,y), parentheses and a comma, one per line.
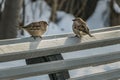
(98,20)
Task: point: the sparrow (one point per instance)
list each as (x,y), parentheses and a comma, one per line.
(36,29)
(80,27)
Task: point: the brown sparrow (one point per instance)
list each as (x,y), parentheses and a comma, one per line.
(80,27)
(36,29)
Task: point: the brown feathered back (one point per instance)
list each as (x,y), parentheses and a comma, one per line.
(36,28)
(80,20)
(80,25)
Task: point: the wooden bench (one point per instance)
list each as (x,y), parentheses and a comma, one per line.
(16,49)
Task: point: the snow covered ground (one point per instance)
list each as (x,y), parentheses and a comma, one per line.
(97,20)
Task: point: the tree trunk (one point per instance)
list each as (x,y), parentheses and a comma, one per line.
(54,10)
(114,16)
(9,19)
(79,8)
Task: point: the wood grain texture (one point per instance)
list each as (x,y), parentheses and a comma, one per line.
(57,66)
(108,75)
(26,48)
(29,39)
(46,47)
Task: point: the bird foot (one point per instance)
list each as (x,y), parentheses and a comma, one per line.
(91,35)
(40,37)
(34,37)
(77,36)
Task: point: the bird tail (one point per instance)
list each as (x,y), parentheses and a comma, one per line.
(90,35)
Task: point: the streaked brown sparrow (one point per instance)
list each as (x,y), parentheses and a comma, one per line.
(36,29)
(80,27)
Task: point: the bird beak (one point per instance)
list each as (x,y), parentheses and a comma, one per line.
(73,20)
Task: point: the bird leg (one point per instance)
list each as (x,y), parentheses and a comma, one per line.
(34,37)
(79,35)
(90,35)
(40,37)
(76,36)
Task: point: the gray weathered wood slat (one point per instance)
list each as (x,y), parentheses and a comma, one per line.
(40,48)
(56,66)
(108,75)
(29,39)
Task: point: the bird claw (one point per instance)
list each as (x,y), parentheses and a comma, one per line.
(34,37)
(77,36)
(40,37)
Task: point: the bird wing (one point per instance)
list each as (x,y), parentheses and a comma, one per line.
(84,28)
(33,26)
